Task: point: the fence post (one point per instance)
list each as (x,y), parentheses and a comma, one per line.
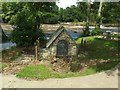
(36,51)
(82,42)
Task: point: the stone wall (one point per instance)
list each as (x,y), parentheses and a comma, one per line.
(44,54)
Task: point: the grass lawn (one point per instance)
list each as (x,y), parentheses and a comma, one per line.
(94,49)
(44,72)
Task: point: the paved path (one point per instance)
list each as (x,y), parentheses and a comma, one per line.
(101,80)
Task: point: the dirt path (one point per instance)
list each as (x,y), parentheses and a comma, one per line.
(101,80)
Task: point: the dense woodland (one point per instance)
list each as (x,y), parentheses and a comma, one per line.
(27,17)
(49,12)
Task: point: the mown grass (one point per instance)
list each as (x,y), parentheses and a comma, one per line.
(43,72)
(35,71)
(96,49)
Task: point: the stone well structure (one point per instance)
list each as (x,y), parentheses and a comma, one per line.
(60,44)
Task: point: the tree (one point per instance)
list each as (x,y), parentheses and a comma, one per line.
(70,14)
(10,9)
(85,7)
(82,7)
(86,31)
(111,11)
(27,19)
(3,36)
(98,17)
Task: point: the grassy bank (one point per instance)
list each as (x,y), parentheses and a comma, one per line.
(96,49)
(44,72)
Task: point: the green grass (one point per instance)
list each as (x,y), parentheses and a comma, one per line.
(43,72)
(116,36)
(89,38)
(98,48)
(35,71)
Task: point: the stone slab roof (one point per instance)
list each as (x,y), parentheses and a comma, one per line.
(56,34)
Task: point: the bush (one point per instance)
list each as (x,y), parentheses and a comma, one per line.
(96,31)
(86,31)
(26,29)
(116,35)
(25,38)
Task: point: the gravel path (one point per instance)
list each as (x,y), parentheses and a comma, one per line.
(101,80)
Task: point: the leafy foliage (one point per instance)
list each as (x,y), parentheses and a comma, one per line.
(96,31)
(111,12)
(86,31)
(10,9)
(79,12)
(73,13)
(69,14)
(27,18)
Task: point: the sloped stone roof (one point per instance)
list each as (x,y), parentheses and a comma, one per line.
(56,34)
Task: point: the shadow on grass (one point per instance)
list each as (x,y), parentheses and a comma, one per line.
(105,66)
(100,49)
(108,67)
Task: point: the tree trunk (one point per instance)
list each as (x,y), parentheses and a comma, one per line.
(99,14)
(88,11)
(86,32)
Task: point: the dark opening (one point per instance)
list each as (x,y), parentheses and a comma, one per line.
(62,48)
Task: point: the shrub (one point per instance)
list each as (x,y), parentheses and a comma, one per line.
(96,31)
(86,31)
